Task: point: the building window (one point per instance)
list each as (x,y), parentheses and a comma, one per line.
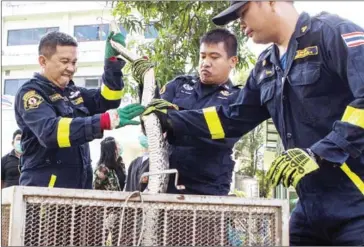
(11,86)
(97,32)
(123,31)
(87,81)
(92,83)
(29,36)
(150,32)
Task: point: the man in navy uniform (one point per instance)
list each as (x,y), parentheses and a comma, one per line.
(311,83)
(58,119)
(205,166)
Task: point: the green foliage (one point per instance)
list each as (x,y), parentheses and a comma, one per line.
(239,193)
(180,25)
(265,187)
(246,151)
(241,77)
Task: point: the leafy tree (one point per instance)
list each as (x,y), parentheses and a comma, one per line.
(180,25)
(246,150)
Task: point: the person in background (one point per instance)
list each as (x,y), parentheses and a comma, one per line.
(110,170)
(137,167)
(10,163)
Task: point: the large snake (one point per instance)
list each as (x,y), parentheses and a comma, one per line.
(158,149)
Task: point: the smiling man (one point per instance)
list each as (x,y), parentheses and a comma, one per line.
(310,81)
(58,119)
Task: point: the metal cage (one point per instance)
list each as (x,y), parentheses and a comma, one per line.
(34,216)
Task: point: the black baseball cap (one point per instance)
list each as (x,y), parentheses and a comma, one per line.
(229,14)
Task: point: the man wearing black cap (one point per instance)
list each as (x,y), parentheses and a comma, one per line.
(311,83)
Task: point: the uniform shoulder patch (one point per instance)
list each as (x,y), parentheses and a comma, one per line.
(32,100)
(353,39)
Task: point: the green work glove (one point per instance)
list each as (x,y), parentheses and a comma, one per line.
(123,116)
(109,50)
(291,166)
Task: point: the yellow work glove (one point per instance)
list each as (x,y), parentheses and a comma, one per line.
(291,166)
(159,105)
(139,67)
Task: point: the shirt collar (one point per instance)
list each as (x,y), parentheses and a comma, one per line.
(44,79)
(12,153)
(302,27)
(226,85)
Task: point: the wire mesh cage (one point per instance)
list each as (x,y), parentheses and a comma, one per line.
(33,216)
(5,217)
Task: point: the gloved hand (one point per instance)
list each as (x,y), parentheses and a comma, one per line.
(291,166)
(160,107)
(139,67)
(117,118)
(109,50)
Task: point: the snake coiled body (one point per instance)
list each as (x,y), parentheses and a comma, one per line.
(158,147)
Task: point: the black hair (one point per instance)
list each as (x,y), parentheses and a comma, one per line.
(108,153)
(49,42)
(218,35)
(17,132)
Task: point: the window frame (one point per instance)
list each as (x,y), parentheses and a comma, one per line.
(13,79)
(22,29)
(90,78)
(90,25)
(87,77)
(147,28)
(122,29)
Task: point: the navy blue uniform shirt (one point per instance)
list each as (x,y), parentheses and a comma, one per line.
(205,166)
(57,125)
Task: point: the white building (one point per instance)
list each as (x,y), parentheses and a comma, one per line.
(24,23)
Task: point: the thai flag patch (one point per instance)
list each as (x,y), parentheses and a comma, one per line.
(353,39)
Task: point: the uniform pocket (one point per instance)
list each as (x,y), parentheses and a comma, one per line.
(311,93)
(63,109)
(267,92)
(305,74)
(81,111)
